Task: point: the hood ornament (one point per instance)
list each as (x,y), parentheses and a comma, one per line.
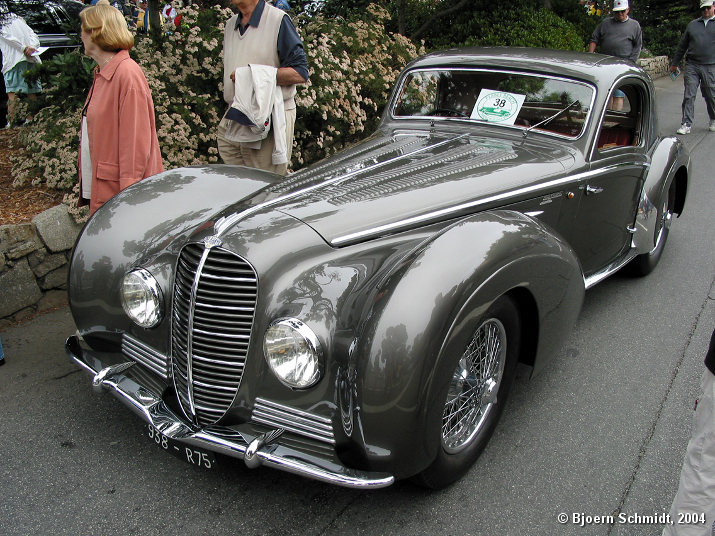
(212,242)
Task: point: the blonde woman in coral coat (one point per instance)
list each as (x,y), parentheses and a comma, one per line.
(118,142)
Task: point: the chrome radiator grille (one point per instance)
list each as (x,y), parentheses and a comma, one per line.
(214,302)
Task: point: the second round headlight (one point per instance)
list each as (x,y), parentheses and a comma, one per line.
(293,353)
(141,298)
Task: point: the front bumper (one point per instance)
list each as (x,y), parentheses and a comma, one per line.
(244,443)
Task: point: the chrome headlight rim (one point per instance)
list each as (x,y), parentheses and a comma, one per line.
(312,343)
(153,291)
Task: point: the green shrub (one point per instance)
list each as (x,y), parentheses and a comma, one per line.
(354,64)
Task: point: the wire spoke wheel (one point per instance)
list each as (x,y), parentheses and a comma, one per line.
(474,386)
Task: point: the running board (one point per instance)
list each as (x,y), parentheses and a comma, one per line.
(609,270)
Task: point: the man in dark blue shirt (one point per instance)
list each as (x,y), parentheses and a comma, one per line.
(260,34)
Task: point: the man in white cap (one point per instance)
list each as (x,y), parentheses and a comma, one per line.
(699,42)
(618,35)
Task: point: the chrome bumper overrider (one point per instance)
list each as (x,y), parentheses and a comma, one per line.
(254,449)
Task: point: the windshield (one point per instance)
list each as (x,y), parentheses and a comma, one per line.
(499,97)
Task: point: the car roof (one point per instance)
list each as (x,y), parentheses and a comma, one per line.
(594,68)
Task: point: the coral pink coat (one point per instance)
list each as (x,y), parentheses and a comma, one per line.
(121,129)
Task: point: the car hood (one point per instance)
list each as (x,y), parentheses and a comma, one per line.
(400,180)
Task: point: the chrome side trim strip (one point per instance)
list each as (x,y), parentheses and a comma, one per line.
(145,355)
(293,420)
(609,270)
(446,213)
(225,223)
(152,409)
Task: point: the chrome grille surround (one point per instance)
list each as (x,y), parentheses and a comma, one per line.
(145,355)
(293,420)
(213,307)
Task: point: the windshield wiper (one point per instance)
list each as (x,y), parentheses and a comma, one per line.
(549,119)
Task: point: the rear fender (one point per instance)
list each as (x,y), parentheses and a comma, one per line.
(670,162)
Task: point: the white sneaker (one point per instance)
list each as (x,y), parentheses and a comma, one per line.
(684,129)
(711,128)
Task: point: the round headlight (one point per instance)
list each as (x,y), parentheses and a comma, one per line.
(293,353)
(141,298)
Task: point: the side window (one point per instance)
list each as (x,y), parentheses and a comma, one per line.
(622,124)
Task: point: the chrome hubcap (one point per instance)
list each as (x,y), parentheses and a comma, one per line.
(474,387)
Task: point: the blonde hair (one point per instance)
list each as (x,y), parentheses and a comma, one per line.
(107,26)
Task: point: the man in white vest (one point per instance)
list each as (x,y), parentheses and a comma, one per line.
(259,34)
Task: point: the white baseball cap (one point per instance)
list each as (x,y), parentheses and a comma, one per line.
(621,5)
(706,3)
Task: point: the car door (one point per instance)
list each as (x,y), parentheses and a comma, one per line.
(610,191)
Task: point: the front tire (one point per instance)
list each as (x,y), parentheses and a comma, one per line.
(475,393)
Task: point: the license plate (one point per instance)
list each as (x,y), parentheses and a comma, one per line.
(199,457)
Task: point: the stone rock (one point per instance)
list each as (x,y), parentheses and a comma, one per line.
(57,228)
(52,300)
(656,66)
(56,279)
(20,289)
(19,240)
(24,314)
(51,262)
(37,257)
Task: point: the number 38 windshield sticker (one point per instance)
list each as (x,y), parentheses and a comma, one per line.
(497,106)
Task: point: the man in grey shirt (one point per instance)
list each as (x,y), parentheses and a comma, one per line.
(618,35)
(699,41)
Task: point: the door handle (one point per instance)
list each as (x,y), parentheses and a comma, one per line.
(593,189)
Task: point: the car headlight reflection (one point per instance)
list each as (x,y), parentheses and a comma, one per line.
(293,353)
(141,298)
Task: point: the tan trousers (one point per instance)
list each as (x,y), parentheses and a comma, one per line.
(238,154)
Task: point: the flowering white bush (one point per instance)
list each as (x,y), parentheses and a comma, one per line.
(353,66)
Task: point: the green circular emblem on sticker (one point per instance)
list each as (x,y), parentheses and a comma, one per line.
(497,106)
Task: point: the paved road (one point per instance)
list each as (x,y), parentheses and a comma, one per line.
(601,432)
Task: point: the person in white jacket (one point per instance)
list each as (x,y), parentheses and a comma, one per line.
(264,38)
(18,44)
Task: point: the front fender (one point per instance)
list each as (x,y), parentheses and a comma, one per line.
(454,276)
(670,162)
(146,224)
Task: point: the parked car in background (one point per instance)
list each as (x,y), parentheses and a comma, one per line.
(361,320)
(53,22)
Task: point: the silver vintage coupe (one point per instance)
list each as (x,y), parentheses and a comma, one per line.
(361,320)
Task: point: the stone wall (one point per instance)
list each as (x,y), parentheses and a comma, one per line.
(656,66)
(34,261)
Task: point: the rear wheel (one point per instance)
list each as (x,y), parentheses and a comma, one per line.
(475,393)
(646,262)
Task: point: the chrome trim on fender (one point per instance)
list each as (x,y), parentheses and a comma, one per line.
(446,213)
(264,447)
(609,270)
(293,420)
(225,223)
(145,355)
